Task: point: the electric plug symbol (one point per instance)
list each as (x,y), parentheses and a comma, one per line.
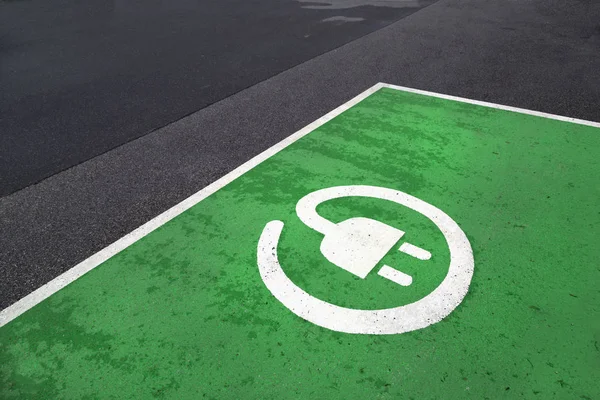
(358,244)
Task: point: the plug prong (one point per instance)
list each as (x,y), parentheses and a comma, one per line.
(415,251)
(395,276)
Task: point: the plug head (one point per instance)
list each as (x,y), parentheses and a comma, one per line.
(358,244)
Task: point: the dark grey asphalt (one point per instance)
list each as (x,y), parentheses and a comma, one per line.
(537,54)
(79,78)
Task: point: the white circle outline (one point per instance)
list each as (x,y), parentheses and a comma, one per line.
(417,315)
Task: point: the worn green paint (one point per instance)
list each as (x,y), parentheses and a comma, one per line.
(183,312)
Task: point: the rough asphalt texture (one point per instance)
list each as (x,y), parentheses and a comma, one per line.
(81,78)
(538,54)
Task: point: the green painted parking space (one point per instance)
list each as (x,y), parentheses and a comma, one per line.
(412,247)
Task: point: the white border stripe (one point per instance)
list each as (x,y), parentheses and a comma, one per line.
(37,296)
(492,105)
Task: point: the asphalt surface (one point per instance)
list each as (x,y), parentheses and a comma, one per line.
(81,78)
(540,54)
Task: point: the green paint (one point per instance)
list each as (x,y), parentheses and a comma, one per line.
(183,313)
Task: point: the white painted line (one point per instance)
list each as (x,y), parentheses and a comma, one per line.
(29,301)
(18,308)
(492,105)
(415,251)
(395,276)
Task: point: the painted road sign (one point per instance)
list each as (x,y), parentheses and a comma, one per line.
(358,245)
(193,305)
